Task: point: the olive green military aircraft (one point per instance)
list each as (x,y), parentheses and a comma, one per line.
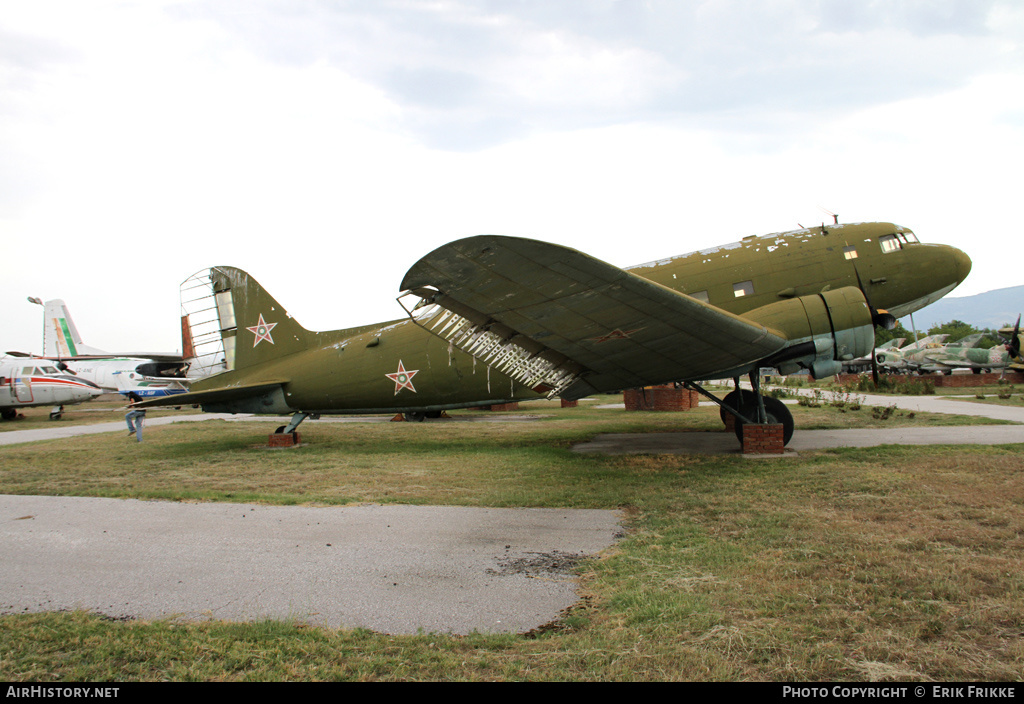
(495,319)
(962,354)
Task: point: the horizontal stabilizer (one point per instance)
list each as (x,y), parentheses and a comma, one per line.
(218,395)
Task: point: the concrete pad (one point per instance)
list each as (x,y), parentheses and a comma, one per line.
(392,569)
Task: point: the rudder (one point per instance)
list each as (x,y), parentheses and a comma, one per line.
(234,323)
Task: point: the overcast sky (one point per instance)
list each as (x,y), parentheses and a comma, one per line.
(325,146)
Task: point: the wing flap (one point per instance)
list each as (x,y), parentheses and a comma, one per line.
(611,327)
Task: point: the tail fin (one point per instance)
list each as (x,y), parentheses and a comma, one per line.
(233,323)
(60,336)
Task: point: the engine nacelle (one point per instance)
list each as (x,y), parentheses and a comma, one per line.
(824,329)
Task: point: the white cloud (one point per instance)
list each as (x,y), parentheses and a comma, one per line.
(325,148)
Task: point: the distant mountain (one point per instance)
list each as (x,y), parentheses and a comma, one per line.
(991,309)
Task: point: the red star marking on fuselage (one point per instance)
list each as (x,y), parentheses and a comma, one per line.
(616,335)
(262,331)
(403,378)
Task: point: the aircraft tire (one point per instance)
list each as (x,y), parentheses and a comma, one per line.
(415,416)
(279,431)
(9,414)
(736,399)
(777,413)
(55,416)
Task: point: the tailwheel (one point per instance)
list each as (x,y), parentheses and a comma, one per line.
(774,409)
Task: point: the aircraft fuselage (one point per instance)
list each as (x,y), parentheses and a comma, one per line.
(399,366)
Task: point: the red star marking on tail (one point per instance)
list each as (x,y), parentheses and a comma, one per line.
(262,331)
(403,378)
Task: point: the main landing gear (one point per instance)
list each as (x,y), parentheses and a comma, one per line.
(294,423)
(752,407)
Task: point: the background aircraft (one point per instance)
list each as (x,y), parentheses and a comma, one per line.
(898,361)
(503,318)
(932,355)
(864,364)
(146,373)
(37,382)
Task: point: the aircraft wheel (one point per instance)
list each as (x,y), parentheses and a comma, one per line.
(55,416)
(434,414)
(9,414)
(279,431)
(777,413)
(736,399)
(415,416)
(976,371)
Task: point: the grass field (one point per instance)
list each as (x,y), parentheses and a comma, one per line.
(887,563)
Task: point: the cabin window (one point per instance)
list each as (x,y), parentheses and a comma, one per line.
(50,370)
(889,243)
(850,252)
(743,288)
(28,371)
(700,295)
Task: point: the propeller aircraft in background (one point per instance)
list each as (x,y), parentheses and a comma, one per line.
(496,319)
(148,374)
(36,382)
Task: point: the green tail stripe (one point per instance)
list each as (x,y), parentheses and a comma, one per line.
(68,338)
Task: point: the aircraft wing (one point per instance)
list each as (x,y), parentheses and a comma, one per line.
(523,305)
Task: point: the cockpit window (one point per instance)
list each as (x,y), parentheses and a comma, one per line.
(908,237)
(50,370)
(889,243)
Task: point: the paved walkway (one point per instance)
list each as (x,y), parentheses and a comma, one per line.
(14,437)
(723,443)
(392,569)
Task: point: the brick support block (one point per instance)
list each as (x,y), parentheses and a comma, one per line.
(763,439)
(658,398)
(569,404)
(514,406)
(284,439)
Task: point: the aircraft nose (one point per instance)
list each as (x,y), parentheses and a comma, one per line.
(961,264)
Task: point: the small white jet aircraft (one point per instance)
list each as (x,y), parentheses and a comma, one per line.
(37,382)
(148,374)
